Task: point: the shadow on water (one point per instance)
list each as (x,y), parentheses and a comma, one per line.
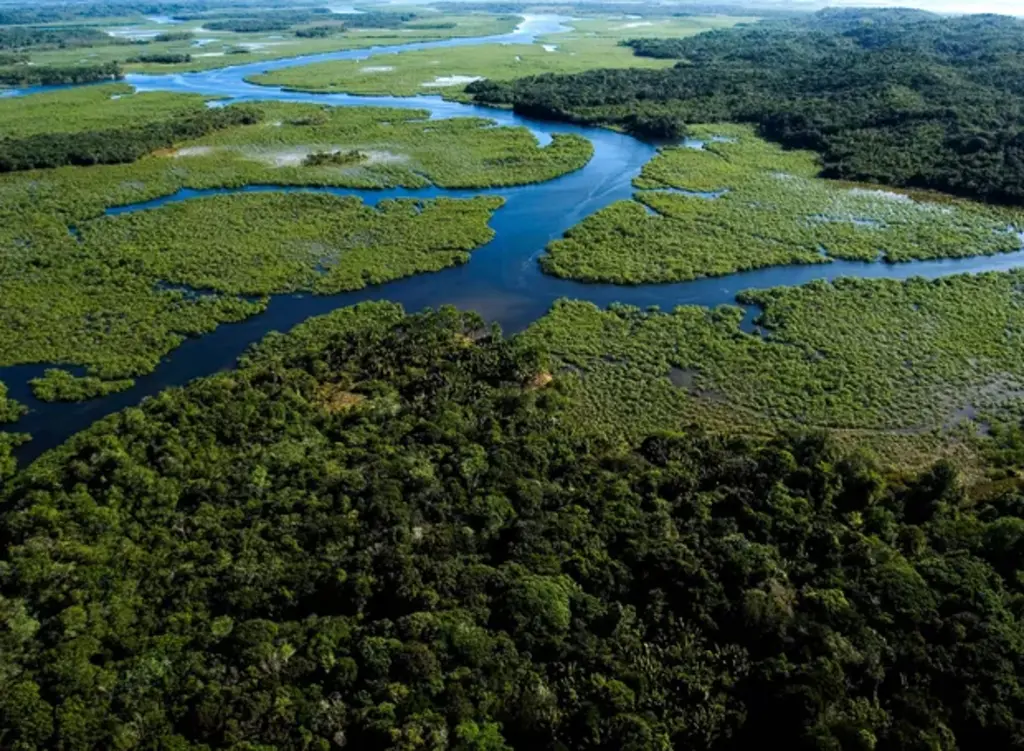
(502,281)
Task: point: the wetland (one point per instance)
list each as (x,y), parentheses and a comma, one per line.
(551,198)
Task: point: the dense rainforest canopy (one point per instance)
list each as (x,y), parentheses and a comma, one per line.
(894,96)
(383,533)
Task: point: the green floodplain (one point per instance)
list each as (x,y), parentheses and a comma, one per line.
(79,288)
(82,286)
(137,46)
(917,365)
(740,203)
(591,43)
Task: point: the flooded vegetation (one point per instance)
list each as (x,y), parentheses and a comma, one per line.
(739,203)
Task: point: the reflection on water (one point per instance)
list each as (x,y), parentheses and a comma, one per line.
(502,281)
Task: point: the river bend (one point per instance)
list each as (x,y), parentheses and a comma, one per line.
(502,281)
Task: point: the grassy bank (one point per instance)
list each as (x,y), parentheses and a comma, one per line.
(742,203)
(106,293)
(920,363)
(121,297)
(210,49)
(591,44)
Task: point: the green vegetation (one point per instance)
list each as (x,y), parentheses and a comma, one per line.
(653,24)
(375,19)
(380,533)
(56,75)
(750,204)
(91,12)
(401,147)
(10,410)
(93,108)
(446,71)
(921,360)
(271,243)
(111,300)
(265,21)
(162,58)
(592,44)
(96,296)
(174,36)
(623,12)
(318,32)
(18,38)
(117,146)
(61,386)
(8,464)
(214,49)
(898,97)
(335,158)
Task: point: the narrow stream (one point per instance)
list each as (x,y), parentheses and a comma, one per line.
(502,281)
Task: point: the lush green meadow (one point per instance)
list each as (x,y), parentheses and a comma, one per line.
(593,43)
(113,293)
(917,361)
(741,203)
(219,48)
(271,243)
(114,301)
(400,148)
(92,108)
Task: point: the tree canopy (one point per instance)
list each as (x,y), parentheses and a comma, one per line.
(382,532)
(900,97)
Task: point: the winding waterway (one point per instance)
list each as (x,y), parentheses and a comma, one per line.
(502,281)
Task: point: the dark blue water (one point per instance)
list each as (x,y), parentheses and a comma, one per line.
(502,281)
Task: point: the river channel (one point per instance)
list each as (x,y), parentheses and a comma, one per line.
(502,281)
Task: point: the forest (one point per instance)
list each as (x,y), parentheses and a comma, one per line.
(262,22)
(796,520)
(15,38)
(56,75)
(10,410)
(904,98)
(54,12)
(318,32)
(161,58)
(382,532)
(379,20)
(117,145)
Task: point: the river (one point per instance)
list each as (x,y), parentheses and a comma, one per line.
(502,281)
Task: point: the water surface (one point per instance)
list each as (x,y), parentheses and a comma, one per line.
(502,281)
